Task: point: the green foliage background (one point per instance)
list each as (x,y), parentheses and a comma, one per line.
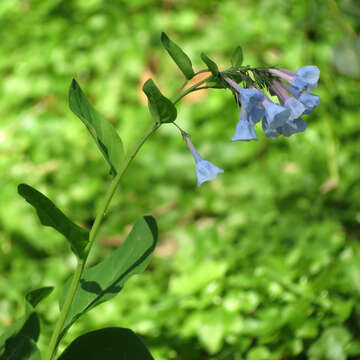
(264,262)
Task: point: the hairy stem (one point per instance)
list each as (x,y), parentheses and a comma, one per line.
(94,231)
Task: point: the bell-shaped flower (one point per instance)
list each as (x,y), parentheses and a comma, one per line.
(304,79)
(269,132)
(244,129)
(310,101)
(275,114)
(295,107)
(249,98)
(293,127)
(205,170)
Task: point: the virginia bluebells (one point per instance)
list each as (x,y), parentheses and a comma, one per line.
(283,118)
(205,170)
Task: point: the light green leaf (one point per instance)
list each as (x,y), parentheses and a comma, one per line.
(50,215)
(178,55)
(102,131)
(161,108)
(109,343)
(106,279)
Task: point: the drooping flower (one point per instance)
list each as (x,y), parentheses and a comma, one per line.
(310,101)
(295,107)
(275,114)
(249,98)
(293,127)
(304,79)
(244,129)
(268,131)
(205,170)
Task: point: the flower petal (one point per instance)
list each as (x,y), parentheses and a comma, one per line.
(205,171)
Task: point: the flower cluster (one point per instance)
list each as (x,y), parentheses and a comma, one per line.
(284,118)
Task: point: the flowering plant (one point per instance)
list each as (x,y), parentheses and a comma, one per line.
(252,89)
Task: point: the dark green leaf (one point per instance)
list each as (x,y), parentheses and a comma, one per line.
(20,348)
(102,131)
(210,64)
(215,82)
(178,55)
(35,296)
(237,57)
(161,108)
(110,344)
(106,279)
(50,215)
(18,341)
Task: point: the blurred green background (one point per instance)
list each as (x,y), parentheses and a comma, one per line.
(262,263)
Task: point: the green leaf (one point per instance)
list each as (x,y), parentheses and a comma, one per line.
(20,348)
(178,55)
(18,341)
(102,131)
(109,343)
(106,279)
(237,57)
(50,215)
(161,108)
(210,64)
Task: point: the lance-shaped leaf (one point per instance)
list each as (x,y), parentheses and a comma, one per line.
(102,131)
(161,108)
(106,279)
(178,55)
(237,57)
(110,343)
(210,64)
(18,342)
(50,215)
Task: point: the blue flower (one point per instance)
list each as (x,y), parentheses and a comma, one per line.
(269,132)
(275,114)
(244,129)
(304,79)
(205,170)
(295,107)
(293,127)
(249,98)
(310,101)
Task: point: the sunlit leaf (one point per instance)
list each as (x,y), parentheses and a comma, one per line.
(106,279)
(102,131)
(109,343)
(50,215)
(178,55)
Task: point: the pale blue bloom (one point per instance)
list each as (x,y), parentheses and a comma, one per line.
(293,127)
(249,98)
(205,170)
(244,130)
(256,114)
(295,107)
(310,74)
(310,101)
(275,114)
(269,132)
(304,79)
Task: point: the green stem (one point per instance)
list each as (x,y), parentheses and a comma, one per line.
(94,231)
(189,90)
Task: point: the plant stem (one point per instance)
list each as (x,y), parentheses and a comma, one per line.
(94,231)
(189,90)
